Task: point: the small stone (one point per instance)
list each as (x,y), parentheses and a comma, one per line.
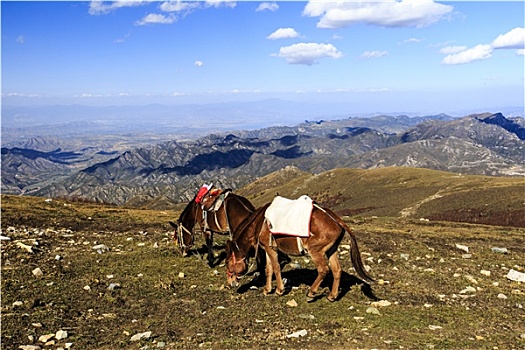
(113,286)
(298,334)
(61,335)
(44,338)
(292,303)
(485,273)
(101,248)
(500,250)
(381,303)
(502,296)
(434,328)
(37,272)
(87,287)
(29,347)
(373,311)
(471,279)
(517,276)
(140,336)
(469,289)
(25,247)
(18,303)
(181,274)
(462,247)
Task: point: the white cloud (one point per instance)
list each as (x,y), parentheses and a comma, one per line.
(199,63)
(374,54)
(308,53)
(514,39)
(220,3)
(476,53)
(520,52)
(267,6)
(178,6)
(156,18)
(448,50)
(283,33)
(102,7)
(21,39)
(386,13)
(411,41)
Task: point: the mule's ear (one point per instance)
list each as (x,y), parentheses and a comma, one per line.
(174,225)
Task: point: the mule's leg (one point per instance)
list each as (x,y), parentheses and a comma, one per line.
(318,257)
(269,274)
(274,259)
(209,245)
(335,266)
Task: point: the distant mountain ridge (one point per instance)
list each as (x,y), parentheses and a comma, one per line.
(487,144)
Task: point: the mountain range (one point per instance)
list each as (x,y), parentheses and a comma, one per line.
(484,144)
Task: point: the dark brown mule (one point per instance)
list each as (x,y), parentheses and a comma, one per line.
(327,231)
(220,211)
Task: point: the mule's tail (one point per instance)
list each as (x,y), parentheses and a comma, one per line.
(355,256)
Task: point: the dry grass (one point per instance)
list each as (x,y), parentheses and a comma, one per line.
(417,264)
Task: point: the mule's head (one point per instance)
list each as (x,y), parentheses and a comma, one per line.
(235,264)
(182,237)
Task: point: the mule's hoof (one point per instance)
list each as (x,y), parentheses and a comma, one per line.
(331,298)
(311,297)
(279,292)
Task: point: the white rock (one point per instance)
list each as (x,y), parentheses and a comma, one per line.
(44,338)
(469,289)
(101,248)
(485,272)
(471,279)
(37,272)
(373,311)
(61,335)
(29,347)
(462,247)
(297,334)
(517,276)
(18,303)
(434,328)
(500,250)
(25,247)
(502,296)
(5,238)
(181,274)
(292,303)
(381,303)
(140,336)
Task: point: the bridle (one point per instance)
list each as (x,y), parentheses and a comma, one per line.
(235,262)
(180,236)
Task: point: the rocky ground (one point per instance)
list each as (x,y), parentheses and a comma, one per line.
(83,276)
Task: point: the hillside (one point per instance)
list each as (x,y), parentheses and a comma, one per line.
(484,144)
(91,276)
(401,192)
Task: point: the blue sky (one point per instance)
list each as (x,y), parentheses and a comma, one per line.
(409,55)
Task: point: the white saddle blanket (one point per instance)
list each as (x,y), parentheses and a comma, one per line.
(290,217)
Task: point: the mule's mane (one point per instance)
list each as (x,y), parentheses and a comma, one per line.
(248,221)
(189,206)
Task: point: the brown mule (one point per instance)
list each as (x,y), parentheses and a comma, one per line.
(222,219)
(327,231)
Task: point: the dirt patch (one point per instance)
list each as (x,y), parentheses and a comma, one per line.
(136,282)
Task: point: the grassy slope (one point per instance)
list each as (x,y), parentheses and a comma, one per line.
(395,191)
(417,264)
